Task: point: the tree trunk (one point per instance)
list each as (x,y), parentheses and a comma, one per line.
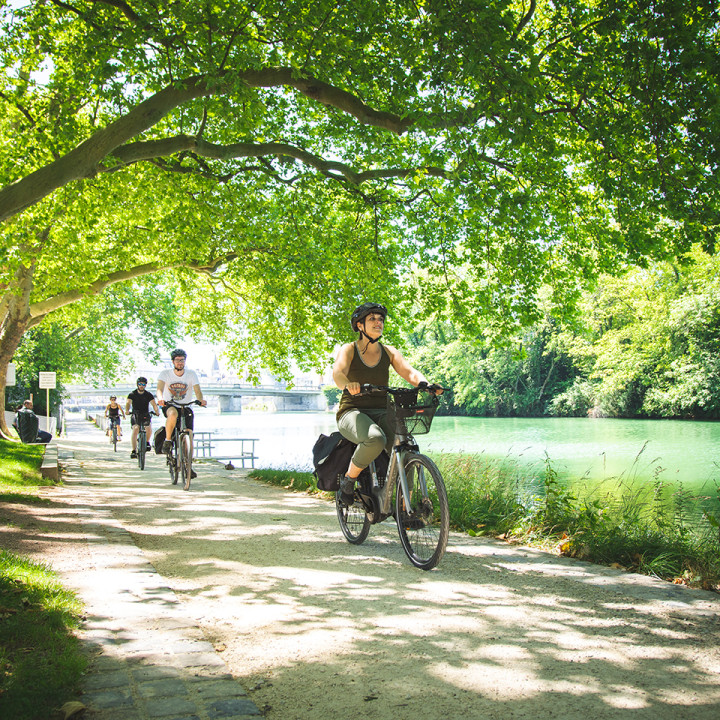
(14,318)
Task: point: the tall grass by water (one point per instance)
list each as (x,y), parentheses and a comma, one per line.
(660,530)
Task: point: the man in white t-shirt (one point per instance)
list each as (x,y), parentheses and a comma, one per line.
(177,384)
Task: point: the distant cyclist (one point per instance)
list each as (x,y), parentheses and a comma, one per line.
(177,384)
(112,413)
(363,419)
(140,400)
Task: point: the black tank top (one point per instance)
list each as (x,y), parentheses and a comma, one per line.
(358,371)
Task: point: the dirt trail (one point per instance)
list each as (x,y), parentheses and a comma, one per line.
(316,628)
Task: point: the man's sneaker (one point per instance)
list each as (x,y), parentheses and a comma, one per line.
(147,447)
(167,446)
(347,490)
(193,474)
(133,455)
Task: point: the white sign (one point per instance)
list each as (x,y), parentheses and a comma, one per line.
(47,381)
(10,375)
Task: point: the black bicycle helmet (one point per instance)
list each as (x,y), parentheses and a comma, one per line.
(142,380)
(363,311)
(177,353)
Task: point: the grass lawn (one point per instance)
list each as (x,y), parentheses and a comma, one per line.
(40,658)
(20,470)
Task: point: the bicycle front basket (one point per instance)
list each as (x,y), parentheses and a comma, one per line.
(415,418)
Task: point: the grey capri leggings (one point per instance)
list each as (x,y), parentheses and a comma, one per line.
(370,431)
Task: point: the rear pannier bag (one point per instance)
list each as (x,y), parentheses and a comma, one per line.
(331,457)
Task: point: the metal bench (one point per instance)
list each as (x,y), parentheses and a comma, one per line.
(204,443)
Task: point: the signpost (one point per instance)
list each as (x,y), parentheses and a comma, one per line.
(10,375)
(48,382)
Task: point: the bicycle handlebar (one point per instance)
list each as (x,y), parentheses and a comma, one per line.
(174,404)
(366,388)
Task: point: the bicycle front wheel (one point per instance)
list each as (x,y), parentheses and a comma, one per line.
(185,460)
(424,526)
(141,449)
(353,521)
(173,463)
(114,437)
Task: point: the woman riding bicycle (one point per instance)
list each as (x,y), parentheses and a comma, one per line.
(363,419)
(112,413)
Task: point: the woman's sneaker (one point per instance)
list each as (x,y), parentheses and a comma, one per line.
(133,455)
(347,490)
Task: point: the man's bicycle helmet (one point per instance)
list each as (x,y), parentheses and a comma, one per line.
(142,380)
(363,311)
(177,353)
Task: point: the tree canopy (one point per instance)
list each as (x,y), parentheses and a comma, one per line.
(287,159)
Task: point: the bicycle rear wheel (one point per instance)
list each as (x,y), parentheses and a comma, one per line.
(185,460)
(353,521)
(141,449)
(424,526)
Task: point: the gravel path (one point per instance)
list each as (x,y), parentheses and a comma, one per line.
(316,628)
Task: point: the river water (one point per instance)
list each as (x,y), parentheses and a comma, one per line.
(595,450)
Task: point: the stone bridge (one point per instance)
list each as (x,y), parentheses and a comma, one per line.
(230,395)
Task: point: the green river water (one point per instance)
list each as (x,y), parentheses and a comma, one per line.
(593,449)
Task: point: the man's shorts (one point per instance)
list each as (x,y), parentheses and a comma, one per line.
(189,415)
(145,419)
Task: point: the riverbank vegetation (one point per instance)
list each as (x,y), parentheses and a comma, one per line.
(40,658)
(660,530)
(642,344)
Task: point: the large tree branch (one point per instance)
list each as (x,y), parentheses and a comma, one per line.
(526,18)
(40,309)
(165,147)
(82,161)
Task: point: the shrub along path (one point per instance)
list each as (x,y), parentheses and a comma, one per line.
(248,578)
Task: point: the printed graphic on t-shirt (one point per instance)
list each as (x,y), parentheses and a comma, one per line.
(178,390)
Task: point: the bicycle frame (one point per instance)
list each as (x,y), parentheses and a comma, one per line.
(180,429)
(385,493)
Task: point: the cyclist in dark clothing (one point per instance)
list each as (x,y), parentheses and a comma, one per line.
(140,401)
(362,419)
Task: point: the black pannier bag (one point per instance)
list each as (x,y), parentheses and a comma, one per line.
(158,440)
(331,457)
